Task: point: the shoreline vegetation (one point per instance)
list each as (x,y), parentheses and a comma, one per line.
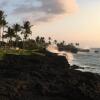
(16,37)
(29,72)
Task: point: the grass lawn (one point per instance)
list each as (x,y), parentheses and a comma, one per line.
(3,52)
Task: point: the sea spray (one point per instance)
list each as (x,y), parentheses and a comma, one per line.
(89,60)
(54,49)
(70,57)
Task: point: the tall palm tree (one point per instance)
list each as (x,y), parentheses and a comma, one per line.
(17,28)
(26,30)
(9,35)
(2,22)
(42,41)
(37,39)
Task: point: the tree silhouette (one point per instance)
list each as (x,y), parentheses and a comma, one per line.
(26,30)
(17,28)
(49,40)
(37,39)
(55,42)
(9,35)
(3,23)
(77,44)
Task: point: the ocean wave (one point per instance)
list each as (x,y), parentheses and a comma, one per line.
(90,61)
(54,49)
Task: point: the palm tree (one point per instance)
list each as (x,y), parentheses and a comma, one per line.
(17,28)
(63,42)
(77,44)
(9,35)
(42,40)
(55,42)
(2,23)
(49,40)
(37,39)
(1,16)
(26,30)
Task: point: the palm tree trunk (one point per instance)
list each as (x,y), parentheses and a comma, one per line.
(10,42)
(0,35)
(24,40)
(16,40)
(23,43)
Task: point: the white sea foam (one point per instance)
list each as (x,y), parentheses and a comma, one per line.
(54,49)
(90,61)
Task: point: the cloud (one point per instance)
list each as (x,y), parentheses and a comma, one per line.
(42,10)
(71,6)
(3,3)
(47,6)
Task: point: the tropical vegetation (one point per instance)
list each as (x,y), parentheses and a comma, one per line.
(16,38)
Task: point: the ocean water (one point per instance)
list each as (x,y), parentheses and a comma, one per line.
(89,60)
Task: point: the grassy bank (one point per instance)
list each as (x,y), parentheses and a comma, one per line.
(3,52)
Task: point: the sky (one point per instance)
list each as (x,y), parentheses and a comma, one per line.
(69,20)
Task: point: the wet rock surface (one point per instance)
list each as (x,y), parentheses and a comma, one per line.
(76,67)
(47,77)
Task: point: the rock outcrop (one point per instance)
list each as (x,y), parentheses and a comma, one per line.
(47,77)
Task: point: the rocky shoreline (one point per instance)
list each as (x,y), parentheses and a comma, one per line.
(45,77)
